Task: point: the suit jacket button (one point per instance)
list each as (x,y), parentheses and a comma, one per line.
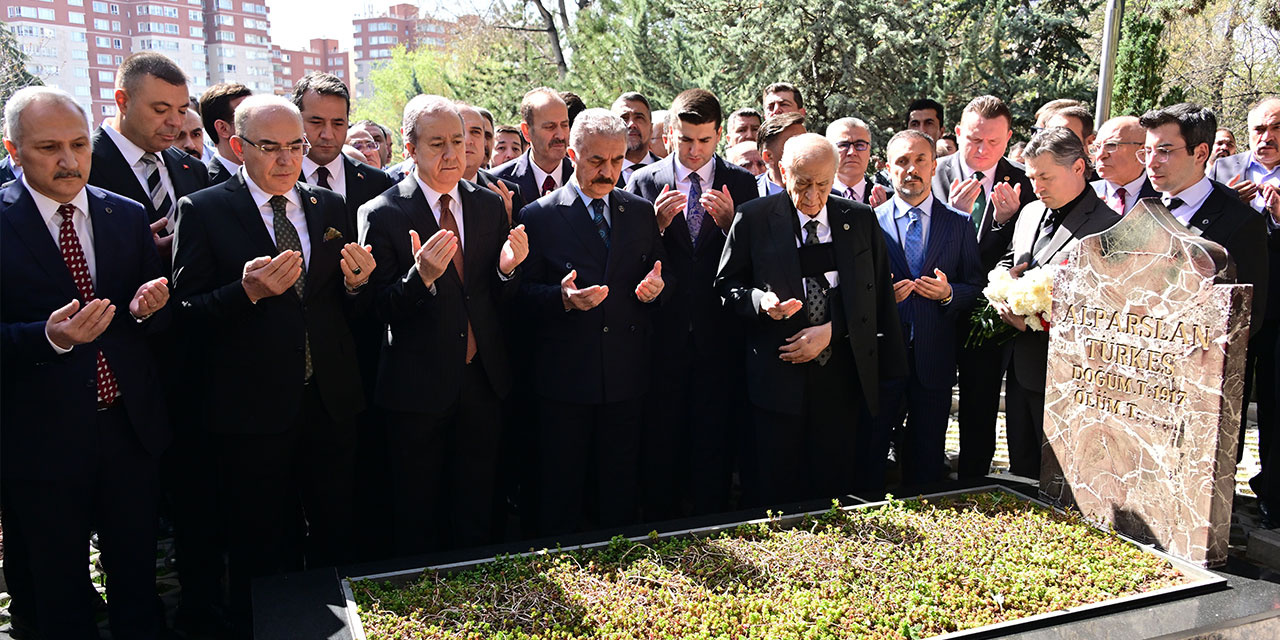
(91,383)
(864,319)
(606,329)
(869,286)
(463,335)
(568,265)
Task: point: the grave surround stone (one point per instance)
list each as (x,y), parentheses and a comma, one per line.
(1145,384)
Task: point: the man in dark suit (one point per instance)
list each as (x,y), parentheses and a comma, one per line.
(9,171)
(809,273)
(978,180)
(544,167)
(83,414)
(474,143)
(591,281)
(132,151)
(1122,179)
(1068,209)
(933,253)
(448,258)
(217,111)
(286,432)
(1177,147)
(634,110)
(698,387)
(852,139)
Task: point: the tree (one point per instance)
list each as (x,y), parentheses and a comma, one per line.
(13,68)
(1140,66)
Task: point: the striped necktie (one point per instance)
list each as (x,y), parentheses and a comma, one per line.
(160,200)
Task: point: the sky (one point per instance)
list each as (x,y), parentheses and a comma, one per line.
(295,22)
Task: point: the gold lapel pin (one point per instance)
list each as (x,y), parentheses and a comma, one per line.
(360,175)
(846,226)
(313,200)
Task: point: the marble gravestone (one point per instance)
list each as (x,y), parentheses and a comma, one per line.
(1145,384)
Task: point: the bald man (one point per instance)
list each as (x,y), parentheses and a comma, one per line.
(1122,179)
(822,330)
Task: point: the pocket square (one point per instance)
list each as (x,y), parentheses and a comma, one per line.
(331,234)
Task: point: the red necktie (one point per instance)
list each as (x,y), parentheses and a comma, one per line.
(73,255)
(548,185)
(449,223)
(1117,201)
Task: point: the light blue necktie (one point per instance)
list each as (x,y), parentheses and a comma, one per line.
(693,211)
(914,243)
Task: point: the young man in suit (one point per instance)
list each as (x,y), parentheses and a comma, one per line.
(698,385)
(133,152)
(590,287)
(852,139)
(448,259)
(217,110)
(1067,209)
(978,180)
(773,135)
(809,274)
(267,275)
(544,167)
(1177,147)
(83,411)
(933,253)
(1122,179)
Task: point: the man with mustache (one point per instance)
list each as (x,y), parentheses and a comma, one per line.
(82,406)
(634,110)
(133,152)
(191,138)
(474,122)
(544,167)
(590,288)
(933,253)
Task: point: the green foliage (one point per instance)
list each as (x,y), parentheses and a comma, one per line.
(1140,64)
(13,69)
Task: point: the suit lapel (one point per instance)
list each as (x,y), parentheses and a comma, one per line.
(471,227)
(120,176)
(782,230)
(22,213)
(320,265)
(1209,214)
(897,256)
(939,232)
(178,164)
(619,228)
(240,202)
(1067,230)
(847,243)
(577,217)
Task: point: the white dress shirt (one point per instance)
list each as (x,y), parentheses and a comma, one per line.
(629,167)
(707,173)
(540,176)
(1131,191)
(455,207)
(293,211)
(858,190)
(337,174)
(230,165)
(133,157)
(824,235)
(1192,197)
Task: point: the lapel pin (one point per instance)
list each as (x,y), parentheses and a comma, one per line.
(360,175)
(846,226)
(108,209)
(1204,221)
(313,199)
(185,167)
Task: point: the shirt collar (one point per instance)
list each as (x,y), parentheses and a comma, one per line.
(433,196)
(1256,166)
(586,200)
(1062,211)
(706,173)
(309,167)
(1192,197)
(821,218)
(48,207)
(1131,190)
(131,152)
(839,185)
(648,159)
(260,197)
(967,172)
(541,176)
(231,165)
(901,207)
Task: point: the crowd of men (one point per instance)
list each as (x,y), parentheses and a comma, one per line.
(251,322)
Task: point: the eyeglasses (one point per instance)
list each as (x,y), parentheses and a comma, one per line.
(1159,154)
(860,145)
(273,148)
(1109,147)
(362,146)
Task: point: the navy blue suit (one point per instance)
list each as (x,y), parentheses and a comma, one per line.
(929,329)
(591,368)
(6,170)
(520,171)
(67,465)
(698,368)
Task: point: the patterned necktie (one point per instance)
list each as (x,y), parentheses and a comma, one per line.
(322,178)
(1117,200)
(914,241)
(160,199)
(602,225)
(693,211)
(287,240)
(980,204)
(815,293)
(848,193)
(548,185)
(447,221)
(73,255)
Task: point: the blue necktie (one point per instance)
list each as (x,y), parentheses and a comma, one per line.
(602,225)
(693,211)
(914,242)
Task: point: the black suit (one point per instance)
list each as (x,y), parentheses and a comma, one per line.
(68,466)
(218,172)
(187,175)
(1024,389)
(6,170)
(591,368)
(699,389)
(276,437)
(520,171)
(444,414)
(981,367)
(807,416)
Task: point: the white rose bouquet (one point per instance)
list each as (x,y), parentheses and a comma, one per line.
(1030,296)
